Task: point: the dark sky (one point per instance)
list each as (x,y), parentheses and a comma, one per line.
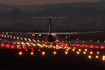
(30,2)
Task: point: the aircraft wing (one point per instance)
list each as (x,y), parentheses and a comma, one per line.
(57,33)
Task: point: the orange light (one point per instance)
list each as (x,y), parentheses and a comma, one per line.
(91,52)
(103,57)
(84,52)
(85,49)
(90,40)
(20,53)
(73,50)
(78,52)
(97,56)
(66,52)
(77,38)
(32,53)
(54,52)
(43,53)
(89,56)
(98,53)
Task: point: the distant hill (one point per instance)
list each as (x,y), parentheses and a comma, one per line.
(33,9)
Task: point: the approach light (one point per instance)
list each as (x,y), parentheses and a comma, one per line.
(98,52)
(78,52)
(20,53)
(54,52)
(91,52)
(96,56)
(84,52)
(89,56)
(103,57)
(32,53)
(43,53)
(66,52)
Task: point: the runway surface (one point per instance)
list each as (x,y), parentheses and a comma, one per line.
(24,52)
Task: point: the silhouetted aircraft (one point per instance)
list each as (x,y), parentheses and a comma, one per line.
(53,37)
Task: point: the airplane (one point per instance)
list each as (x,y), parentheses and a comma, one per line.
(53,37)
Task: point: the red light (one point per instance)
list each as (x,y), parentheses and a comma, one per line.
(82,45)
(7,45)
(45,42)
(86,45)
(39,50)
(32,49)
(18,47)
(2,45)
(12,46)
(102,47)
(78,45)
(66,43)
(91,46)
(57,43)
(74,45)
(26,50)
(96,46)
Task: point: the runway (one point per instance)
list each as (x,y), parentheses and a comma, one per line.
(24,51)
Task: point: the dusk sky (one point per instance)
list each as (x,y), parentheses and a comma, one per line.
(32,2)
